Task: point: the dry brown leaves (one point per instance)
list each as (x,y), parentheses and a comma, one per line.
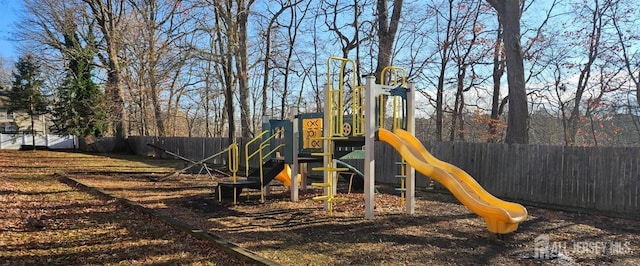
(46,222)
(441,232)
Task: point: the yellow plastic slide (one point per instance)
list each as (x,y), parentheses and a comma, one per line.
(285,176)
(501,216)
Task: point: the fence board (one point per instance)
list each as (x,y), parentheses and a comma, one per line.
(536,180)
(484,167)
(553,170)
(621,194)
(578,170)
(634,185)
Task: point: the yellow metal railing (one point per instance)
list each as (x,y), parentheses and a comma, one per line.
(357,107)
(334,107)
(397,77)
(335,103)
(234,161)
(263,145)
(234,158)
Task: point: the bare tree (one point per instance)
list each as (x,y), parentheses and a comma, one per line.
(465,42)
(108,15)
(497,102)
(283,7)
(335,12)
(242,64)
(509,12)
(594,47)
(156,34)
(533,54)
(624,16)
(225,30)
(444,54)
(292,27)
(387,29)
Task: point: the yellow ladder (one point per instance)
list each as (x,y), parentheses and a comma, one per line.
(334,112)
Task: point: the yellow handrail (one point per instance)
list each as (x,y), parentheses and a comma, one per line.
(234,158)
(357,106)
(247,157)
(263,145)
(396,73)
(397,119)
(337,108)
(398,77)
(272,151)
(334,111)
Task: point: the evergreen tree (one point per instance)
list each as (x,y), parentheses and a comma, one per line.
(79,108)
(25,94)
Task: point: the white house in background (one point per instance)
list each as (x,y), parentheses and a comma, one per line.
(16,122)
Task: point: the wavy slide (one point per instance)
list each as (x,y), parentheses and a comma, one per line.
(501,216)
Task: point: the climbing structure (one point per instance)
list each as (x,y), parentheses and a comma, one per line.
(395,77)
(367,112)
(334,127)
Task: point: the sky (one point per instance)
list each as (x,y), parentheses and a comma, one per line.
(8,15)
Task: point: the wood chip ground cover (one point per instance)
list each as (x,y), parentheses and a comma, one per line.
(43,221)
(442,232)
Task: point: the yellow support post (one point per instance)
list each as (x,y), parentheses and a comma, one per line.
(357,107)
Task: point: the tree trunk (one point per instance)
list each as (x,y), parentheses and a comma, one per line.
(457,120)
(498,72)
(509,16)
(107,16)
(114,86)
(387,29)
(242,65)
(439,98)
(224,46)
(444,59)
(593,51)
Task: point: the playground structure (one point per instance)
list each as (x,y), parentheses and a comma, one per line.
(368,110)
(342,132)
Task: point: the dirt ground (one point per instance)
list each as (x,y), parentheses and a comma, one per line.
(47,222)
(441,232)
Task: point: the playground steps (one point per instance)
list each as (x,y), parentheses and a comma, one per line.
(270,169)
(401,177)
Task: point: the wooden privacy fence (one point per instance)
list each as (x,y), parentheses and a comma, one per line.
(593,178)
(603,179)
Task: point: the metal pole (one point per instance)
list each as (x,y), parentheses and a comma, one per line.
(294,146)
(369,142)
(410,171)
